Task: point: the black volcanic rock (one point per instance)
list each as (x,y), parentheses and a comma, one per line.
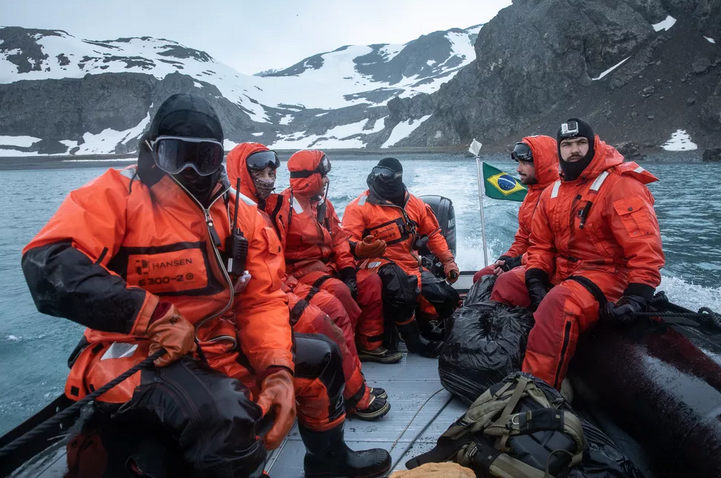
(31,55)
(712,155)
(540,62)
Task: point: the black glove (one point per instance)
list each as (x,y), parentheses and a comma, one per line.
(348,276)
(624,311)
(510,262)
(538,284)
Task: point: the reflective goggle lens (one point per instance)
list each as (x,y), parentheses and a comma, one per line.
(324,166)
(173,154)
(262,159)
(386,175)
(522,152)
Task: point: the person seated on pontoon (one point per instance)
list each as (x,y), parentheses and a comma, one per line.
(391,217)
(254,166)
(537,158)
(595,250)
(140,257)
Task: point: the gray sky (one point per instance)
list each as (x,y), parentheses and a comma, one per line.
(252,35)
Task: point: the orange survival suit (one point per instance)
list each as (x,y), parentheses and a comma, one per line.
(545,161)
(405,281)
(596,235)
(312,311)
(317,251)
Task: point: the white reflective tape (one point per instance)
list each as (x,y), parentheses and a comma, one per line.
(297,207)
(119,350)
(556,187)
(362,200)
(246,199)
(639,170)
(599,181)
(128,173)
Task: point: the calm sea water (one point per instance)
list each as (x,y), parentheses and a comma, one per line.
(34,348)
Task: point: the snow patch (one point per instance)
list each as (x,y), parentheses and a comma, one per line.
(197,84)
(611,69)
(388,52)
(710,40)
(106,141)
(403,129)
(680,141)
(664,24)
(228,144)
(285,120)
(378,125)
(18,141)
(257,134)
(15,153)
(461,46)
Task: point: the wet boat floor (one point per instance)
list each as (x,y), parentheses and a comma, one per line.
(421,410)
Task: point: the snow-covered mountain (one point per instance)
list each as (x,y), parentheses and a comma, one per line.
(63,95)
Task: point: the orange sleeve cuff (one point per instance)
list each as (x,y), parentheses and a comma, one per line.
(140,326)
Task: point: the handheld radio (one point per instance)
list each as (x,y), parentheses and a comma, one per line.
(236,245)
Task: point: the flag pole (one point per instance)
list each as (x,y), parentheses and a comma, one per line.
(475,149)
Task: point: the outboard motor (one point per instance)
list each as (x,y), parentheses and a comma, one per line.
(446,215)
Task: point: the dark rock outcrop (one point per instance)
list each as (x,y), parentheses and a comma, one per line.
(713,154)
(541,61)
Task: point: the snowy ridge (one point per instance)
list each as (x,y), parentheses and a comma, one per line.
(288,106)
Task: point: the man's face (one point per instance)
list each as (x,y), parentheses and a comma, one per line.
(264,181)
(574,149)
(527,172)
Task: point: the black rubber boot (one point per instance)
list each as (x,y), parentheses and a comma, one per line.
(416,343)
(327,456)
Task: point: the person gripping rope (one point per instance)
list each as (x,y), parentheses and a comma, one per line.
(537,158)
(595,250)
(318,312)
(386,224)
(140,257)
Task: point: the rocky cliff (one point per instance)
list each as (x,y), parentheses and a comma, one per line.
(638,70)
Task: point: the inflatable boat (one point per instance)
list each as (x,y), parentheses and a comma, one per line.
(654,387)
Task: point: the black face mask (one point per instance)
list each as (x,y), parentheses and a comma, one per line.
(394,192)
(572,171)
(201,187)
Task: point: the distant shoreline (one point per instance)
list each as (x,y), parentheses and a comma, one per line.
(85,161)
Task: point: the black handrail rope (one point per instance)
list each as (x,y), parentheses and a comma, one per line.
(53,421)
(703,315)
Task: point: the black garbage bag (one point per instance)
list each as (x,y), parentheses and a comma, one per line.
(485,341)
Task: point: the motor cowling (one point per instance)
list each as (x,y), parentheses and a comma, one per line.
(445,214)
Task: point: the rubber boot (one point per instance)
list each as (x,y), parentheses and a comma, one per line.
(416,343)
(327,456)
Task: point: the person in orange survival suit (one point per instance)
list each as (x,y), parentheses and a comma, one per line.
(594,235)
(388,212)
(537,158)
(317,251)
(138,257)
(253,166)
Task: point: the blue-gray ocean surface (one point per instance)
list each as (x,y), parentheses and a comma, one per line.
(34,348)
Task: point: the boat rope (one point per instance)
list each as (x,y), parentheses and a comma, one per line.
(73,409)
(422,431)
(704,316)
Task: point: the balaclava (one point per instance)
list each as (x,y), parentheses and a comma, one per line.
(394,191)
(572,170)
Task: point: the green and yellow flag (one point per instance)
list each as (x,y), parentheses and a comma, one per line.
(499,185)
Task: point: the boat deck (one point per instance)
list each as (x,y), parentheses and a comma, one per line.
(421,410)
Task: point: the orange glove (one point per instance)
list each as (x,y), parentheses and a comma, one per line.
(277,393)
(450,269)
(370,247)
(171,331)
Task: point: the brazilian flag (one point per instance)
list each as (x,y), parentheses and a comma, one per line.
(499,185)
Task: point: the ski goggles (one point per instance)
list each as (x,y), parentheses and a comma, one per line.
(522,152)
(261,160)
(387,175)
(323,169)
(173,154)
